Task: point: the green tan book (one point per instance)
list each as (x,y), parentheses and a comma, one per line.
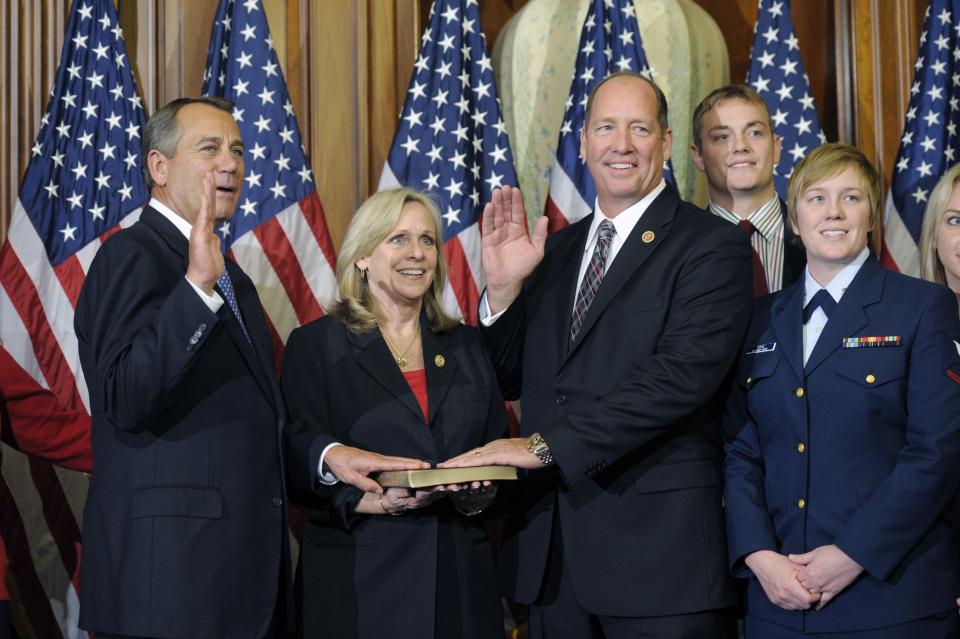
(443,476)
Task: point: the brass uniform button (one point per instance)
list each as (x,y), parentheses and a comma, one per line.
(799,392)
(801,503)
(749,381)
(871,379)
(439,361)
(801,447)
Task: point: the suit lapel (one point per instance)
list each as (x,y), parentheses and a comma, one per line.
(786,323)
(849,316)
(377,360)
(441,369)
(634,252)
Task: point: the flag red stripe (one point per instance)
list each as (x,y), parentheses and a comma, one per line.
(313,213)
(886,258)
(56,511)
(71,277)
(280,254)
(32,596)
(461,279)
(556,217)
(24,297)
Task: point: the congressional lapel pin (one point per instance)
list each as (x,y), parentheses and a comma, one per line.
(648,236)
(439,361)
(762,348)
(871,342)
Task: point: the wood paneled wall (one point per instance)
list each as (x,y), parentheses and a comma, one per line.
(347,64)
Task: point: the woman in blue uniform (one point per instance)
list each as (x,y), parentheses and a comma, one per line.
(843,432)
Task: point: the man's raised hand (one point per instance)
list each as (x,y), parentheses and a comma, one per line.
(206,259)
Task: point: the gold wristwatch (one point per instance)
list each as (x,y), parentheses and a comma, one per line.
(539,448)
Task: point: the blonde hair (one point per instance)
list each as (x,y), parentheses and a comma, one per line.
(826,161)
(370,226)
(931,269)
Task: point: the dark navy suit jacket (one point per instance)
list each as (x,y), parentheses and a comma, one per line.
(868,438)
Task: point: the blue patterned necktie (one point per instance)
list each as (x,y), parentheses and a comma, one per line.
(226,287)
(821,299)
(592,278)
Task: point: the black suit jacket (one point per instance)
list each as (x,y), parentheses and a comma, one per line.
(184,529)
(629,414)
(381,576)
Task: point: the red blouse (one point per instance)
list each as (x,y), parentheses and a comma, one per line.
(418,384)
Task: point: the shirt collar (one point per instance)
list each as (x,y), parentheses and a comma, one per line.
(838,285)
(767,219)
(627,219)
(182,225)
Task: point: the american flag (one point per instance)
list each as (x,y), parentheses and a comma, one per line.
(279,233)
(777,73)
(83,183)
(451,141)
(609,42)
(929,143)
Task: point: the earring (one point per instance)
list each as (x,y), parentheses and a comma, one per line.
(363,274)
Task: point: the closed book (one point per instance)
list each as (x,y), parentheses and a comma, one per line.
(443,476)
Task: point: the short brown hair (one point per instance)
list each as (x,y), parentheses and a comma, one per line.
(724,93)
(371,224)
(826,161)
(163,132)
(931,268)
(662,114)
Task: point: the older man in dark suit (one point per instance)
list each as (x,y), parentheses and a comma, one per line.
(184,528)
(616,333)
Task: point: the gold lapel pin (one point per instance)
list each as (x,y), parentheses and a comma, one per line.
(648,236)
(439,361)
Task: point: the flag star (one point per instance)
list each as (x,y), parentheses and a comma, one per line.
(766,59)
(944,17)
(912,113)
(253,179)
(457,160)
(224,229)
(475,197)
(434,153)
(628,11)
(431,183)
(412,118)
(437,125)
(920,195)
(771,35)
(286,135)
(495,181)
(567,127)
(238,114)
(113,120)
(265,96)
(248,32)
(244,60)
(776,9)
(69,99)
(278,190)
(101,51)
(954,103)
(446,42)
(928,143)
(79,171)
(134,101)
(133,131)
(788,67)
(410,146)
(761,84)
(57,158)
(224,50)
(51,190)
(282,162)
(440,98)
(588,48)
(587,75)
(806,101)
(97,211)
(952,128)
(95,80)
(484,63)
(86,139)
(45,120)
(222,78)
(86,12)
(932,117)
(103,181)
(798,152)
(422,64)
(939,67)
(417,90)
(498,154)
(258,151)
(482,89)
(623,64)
(80,41)
(75,201)
(130,160)
(107,150)
(452,215)
(779,118)
(903,164)
(125,192)
(803,125)
(792,43)
(935,93)
(591,21)
(907,138)
(444,69)
(69,232)
(607,25)
(37,149)
(117,32)
(464,78)
(305,176)
(269,42)
(450,14)
(105,22)
(262,124)
(948,153)
(956,78)
(479,118)
(74,71)
(90,110)
(250,5)
(248,207)
(63,129)
(500,127)
(925,169)
(468,26)
(241,87)
(288,108)
(270,68)
(461,133)
(784,91)
(915,88)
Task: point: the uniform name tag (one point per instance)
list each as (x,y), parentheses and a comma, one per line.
(762,348)
(871,342)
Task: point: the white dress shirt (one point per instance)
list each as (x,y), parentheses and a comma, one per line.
(836,288)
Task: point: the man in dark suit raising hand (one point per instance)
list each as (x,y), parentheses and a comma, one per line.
(616,333)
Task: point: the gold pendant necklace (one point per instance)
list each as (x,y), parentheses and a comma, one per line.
(401,357)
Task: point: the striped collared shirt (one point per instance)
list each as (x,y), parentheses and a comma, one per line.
(767,241)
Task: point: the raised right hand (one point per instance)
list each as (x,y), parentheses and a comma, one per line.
(508,255)
(778,577)
(206,258)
